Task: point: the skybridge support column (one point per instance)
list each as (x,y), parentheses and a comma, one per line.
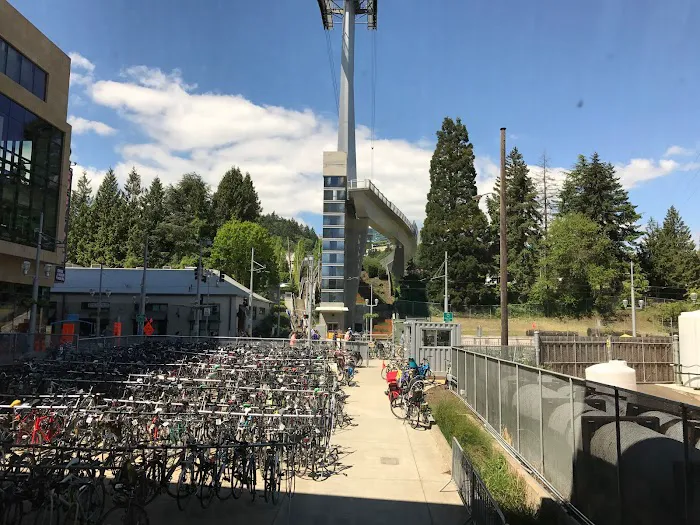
(398,267)
(346,116)
(355,241)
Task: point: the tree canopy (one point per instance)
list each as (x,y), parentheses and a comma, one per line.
(235,198)
(454,222)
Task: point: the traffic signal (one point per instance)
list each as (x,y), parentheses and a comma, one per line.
(196,274)
(222,277)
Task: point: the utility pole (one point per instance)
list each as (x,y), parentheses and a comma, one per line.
(198,311)
(504,245)
(35,284)
(250,292)
(142,304)
(445,309)
(98,330)
(634,308)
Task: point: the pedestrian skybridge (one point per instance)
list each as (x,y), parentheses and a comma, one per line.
(383,216)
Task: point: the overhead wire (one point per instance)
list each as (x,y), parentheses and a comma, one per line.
(374,96)
(331,64)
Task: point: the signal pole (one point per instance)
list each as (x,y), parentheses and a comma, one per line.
(504,245)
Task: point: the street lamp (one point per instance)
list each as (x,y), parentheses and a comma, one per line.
(26,265)
(280,286)
(371,314)
(694,297)
(625,303)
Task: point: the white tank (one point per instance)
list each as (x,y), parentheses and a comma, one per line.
(614,373)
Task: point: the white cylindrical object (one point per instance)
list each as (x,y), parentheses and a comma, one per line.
(614,373)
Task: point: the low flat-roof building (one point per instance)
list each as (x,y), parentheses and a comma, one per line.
(170,301)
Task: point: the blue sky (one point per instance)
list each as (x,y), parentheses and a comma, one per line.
(175,86)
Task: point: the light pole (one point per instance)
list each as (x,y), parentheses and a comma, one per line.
(634,306)
(280,286)
(254,268)
(371,303)
(35,284)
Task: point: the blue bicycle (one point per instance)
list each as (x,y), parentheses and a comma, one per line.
(424,372)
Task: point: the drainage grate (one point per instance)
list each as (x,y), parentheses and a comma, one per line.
(389,461)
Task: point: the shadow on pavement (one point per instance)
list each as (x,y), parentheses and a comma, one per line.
(307,509)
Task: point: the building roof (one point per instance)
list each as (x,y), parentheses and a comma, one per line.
(158,282)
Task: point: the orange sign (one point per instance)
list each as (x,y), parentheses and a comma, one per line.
(148,327)
(117,329)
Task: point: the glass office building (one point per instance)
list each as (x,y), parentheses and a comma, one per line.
(333,253)
(30,173)
(34,169)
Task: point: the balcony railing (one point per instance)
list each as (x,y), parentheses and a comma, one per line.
(369,185)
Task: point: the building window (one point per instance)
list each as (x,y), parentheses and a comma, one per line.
(332,271)
(22,70)
(332,297)
(262,312)
(334,182)
(333,233)
(332,284)
(333,220)
(436,337)
(334,195)
(333,245)
(32,154)
(333,258)
(334,207)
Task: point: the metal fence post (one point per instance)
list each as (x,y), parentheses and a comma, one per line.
(500,424)
(486,388)
(687,467)
(677,360)
(573,430)
(539,380)
(517,406)
(474,367)
(619,455)
(536,342)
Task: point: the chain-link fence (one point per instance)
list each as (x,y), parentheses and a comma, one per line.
(14,346)
(617,456)
(482,508)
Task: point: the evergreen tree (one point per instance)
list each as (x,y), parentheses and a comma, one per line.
(287,228)
(133,220)
(236,198)
(454,222)
(154,216)
(108,245)
(80,225)
(189,217)
(668,256)
(523,222)
(593,189)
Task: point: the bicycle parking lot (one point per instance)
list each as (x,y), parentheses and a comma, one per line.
(205,431)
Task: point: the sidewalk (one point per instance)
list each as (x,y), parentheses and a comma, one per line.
(390,473)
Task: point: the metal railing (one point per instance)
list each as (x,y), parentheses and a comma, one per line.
(14,346)
(369,185)
(616,456)
(482,508)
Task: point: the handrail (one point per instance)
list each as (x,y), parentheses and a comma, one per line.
(368,184)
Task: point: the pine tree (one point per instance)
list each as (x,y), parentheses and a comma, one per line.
(547,188)
(523,220)
(593,189)
(154,217)
(454,222)
(189,217)
(108,246)
(669,258)
(236,198)
(133,220)
(80,225)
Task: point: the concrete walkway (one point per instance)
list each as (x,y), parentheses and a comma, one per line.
(390,473)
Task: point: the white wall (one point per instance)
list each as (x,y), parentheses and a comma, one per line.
(689,341)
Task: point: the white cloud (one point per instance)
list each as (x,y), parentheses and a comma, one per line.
(637,171)
(81,125)
(678,151)
(81,70)
(78,61)
(281,148)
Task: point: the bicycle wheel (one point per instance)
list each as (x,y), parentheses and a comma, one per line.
(384,371)
(251,476)
(205,493)
(91,499)
(224,474)
(398,407)
(237,476)
(429,376)
(129,515)
(269,477)
(155,474)
(186,485)
(48,514)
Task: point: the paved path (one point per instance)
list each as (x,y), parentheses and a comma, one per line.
(392,473)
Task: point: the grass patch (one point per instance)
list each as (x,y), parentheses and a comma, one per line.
(506,487)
